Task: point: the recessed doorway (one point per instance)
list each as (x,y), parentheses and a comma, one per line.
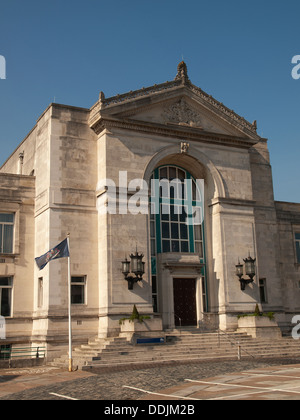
(185,307)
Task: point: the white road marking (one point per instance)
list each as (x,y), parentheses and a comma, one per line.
(245,386)
(271,374)
(161,395)
(63,396)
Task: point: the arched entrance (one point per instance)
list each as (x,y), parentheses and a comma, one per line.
(177,239)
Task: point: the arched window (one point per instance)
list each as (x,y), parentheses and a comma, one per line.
(176,212)
(176,215)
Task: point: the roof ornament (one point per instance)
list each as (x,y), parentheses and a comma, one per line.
(101,99)
(182,73)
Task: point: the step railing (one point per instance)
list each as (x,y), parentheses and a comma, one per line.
(210,326)
(235,343)
(22,352)
(180,320)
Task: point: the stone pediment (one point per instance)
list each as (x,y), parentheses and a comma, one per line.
(173,104)
(182,112)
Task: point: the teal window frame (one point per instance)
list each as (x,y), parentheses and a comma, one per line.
(184,202)
(156,228)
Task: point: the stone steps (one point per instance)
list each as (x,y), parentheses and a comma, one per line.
(254,348)
(179,348)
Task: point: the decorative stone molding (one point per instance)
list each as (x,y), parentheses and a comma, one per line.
(184,147)
(173,262)
(181,113)
(223,111)
(178,131)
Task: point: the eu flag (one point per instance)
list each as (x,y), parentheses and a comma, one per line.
(59,251)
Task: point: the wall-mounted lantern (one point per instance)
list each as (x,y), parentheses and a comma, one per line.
(249,271)
(136,266)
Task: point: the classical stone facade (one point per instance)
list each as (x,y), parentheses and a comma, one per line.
(61,180)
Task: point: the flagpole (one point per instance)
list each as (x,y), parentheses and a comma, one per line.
(69,307)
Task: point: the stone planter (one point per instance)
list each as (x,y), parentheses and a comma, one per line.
(259,327)
(148,327)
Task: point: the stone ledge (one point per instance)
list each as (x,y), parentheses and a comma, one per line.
(259,327)
(149,327)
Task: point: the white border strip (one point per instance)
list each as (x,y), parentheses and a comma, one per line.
(63,396)
(161,395)
(271,374)
(245,386)
(237,395)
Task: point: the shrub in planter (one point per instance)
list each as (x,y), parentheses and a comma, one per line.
(257,313)
(259,325)
(135,316)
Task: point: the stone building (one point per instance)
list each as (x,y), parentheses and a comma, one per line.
(86,172)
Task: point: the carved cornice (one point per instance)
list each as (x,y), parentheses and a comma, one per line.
(226,113)
(177,264)
(172,266)
(137,94)
(232,202)
(178,132)
(106,104)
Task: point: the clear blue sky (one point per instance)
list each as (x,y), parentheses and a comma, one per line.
(240,52)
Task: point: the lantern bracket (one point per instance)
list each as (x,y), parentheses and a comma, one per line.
(249,271)
(134,269)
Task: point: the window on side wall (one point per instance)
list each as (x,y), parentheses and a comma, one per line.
(263,290)
(78,290)
(6,284)
(6,233)
(40,292)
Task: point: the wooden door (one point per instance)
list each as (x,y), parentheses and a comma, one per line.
(185,302)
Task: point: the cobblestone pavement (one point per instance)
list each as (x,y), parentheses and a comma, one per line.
(109,386)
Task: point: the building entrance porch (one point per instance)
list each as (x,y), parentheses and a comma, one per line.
(180,289)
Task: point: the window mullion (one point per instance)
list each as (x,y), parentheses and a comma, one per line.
(190,212)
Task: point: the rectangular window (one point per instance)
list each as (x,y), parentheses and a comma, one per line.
(6,233)
(40,292)
(297,241)
(263,290)
(6,284)
(198,240)
(78,292)
(154,294)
